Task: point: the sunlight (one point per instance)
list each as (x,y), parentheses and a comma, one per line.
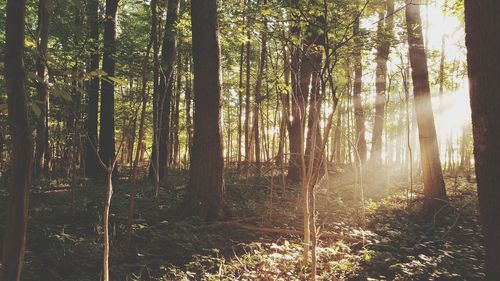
(443,25)
(452,112)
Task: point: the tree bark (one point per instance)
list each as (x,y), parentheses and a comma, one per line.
(189,126)
(14,238)
(483,60)
(91,162)
(206,186)
(42,152)
(248,69)
(107,117)
(257,94)
(384,37)
(168,55)
(434,187)
(154,162)
(359,113)
(176,114)
(301,70)
(240,103)
(107,206)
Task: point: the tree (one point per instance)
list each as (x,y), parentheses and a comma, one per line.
(42,152)
(91,162)
(14,238)
(359,113)
(384,36)
(484,84)
(434,187)
(258,87)
(305,64)
(168,54)
(298,105)
(107,117)
(206,184)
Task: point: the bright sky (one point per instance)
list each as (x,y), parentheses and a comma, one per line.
(452,112)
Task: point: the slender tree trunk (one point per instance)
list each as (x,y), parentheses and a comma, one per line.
(384,37)
(434,187)
(337,138)
(257,94)
(42,152)
(168,55)
(107,117)
(91,162)
(248,69)
(359,113)
(107,205)
(483,60)
(154,161)
(240,103)
(189,126)
(176,111)
(14,237)
(206,185)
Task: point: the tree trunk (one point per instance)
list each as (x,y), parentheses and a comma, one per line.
(434,187)
(189,126)
(258,88)
(42,152)
(248,69)
(384,37)
(154,161)
(359,113)
(14,238)
(337,138)
(107,117)
(484,80)
(107,205)
(168,54)
(301,67)
(240,103)
(206,186)
(91,162)
(176,150)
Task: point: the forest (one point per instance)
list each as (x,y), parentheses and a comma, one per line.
(249,140)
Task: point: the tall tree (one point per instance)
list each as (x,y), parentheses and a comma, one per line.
(359,113)
(155,159)
(206,185)
(301,70)
(434,187)
(258,88)
(384,37)
(483,60)
(168,54)
(248,138)
(91,162)
(14,238)
(42,152)
(107,117)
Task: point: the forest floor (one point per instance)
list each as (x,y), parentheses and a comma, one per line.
(396,242)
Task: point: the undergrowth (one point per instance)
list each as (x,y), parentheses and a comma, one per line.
(398,244)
